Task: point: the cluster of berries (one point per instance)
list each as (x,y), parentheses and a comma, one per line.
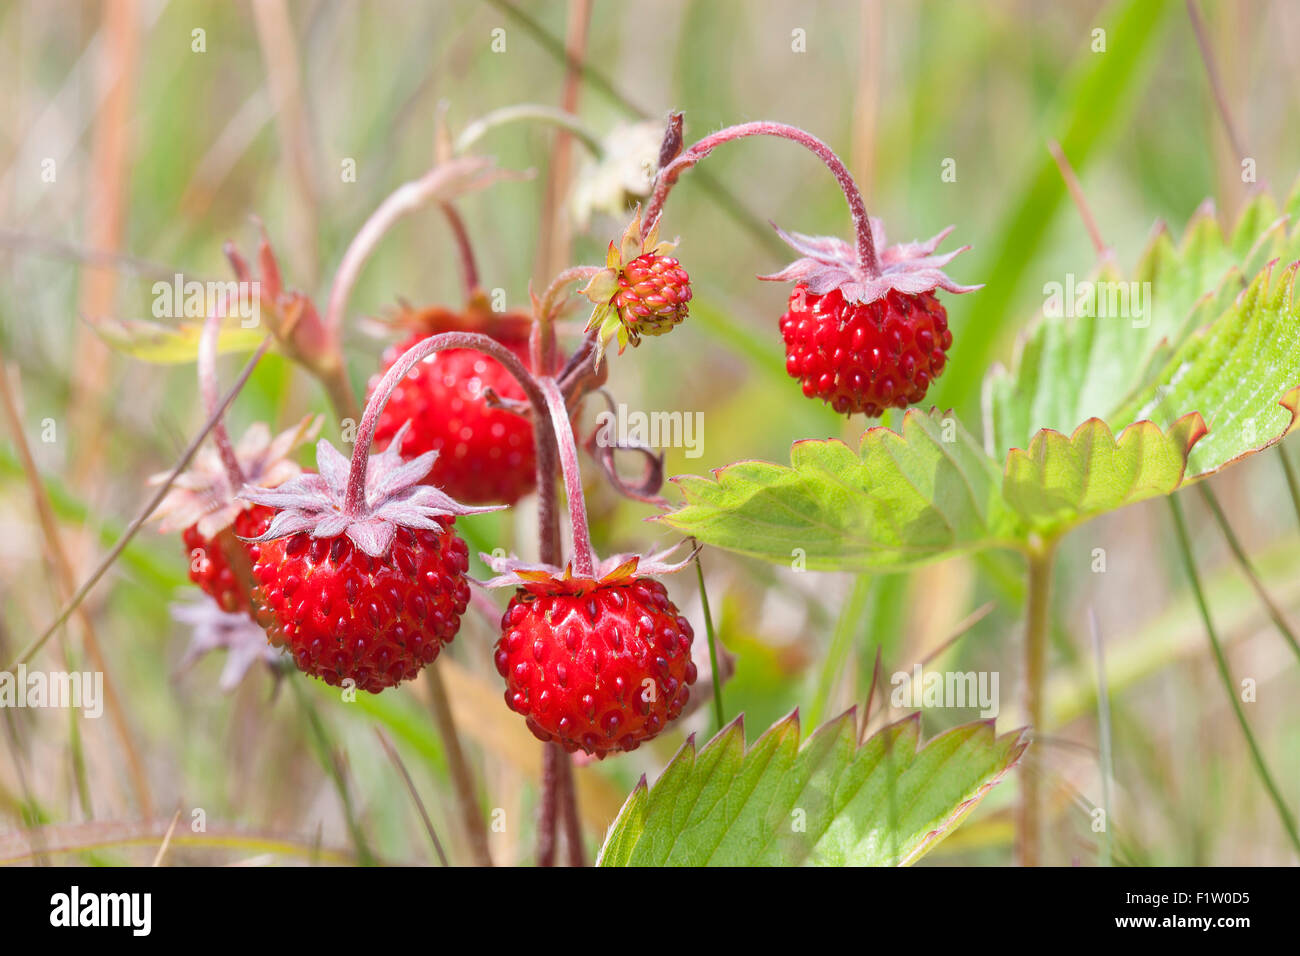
(366,592)
(356,569)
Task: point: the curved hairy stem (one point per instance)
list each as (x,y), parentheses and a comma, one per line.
(405,199)
(551,299)
(468,263)
(354,501)
(528,112)
(861,221)
(583,559)
(543,344)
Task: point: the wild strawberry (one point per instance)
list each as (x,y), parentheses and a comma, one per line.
(203,506)
(641,290)
(486,455)
(600,664)
(864,341)
(865,357)
(220,565)
(368,591)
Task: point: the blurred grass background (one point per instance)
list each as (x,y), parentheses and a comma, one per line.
(160,163)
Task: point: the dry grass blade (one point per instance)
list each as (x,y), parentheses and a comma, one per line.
(280,53)
(1103,733)
(396,758)
(108,183)
(116,551)
(66,587)
(1248,568)
(166,841)
(62,839)
(462,779)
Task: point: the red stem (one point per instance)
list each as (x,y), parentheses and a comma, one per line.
(861,221)
(208,388)
(583,561)
(568,813)
(354,501)
(468,264)
(552,758)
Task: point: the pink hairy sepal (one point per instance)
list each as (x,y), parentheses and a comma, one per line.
(313,502)
(549,579)
(828,263)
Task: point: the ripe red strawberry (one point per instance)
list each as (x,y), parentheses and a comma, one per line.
(865,357)
(600,663)
(201,504)
(342,613)
(641,291)
(866,336)
(221,565)
(368,591)
(485,455)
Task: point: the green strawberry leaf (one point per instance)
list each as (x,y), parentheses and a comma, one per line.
(1061,482)
(829,802)
(1092,364)
(1241,372)
(900,500)
(171,344)
(1191,346)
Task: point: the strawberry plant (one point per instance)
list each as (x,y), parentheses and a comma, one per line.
(459,570)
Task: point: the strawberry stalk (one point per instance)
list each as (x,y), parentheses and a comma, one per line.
(438,182)
(547,400)
(583,563)
(545,310)
(209,389)
(354,503)
(669,174)
(468,263)
(354,500)
(543,393)
(531,113)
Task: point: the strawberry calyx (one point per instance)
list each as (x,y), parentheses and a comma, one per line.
(541,578)
(202,496)
(641,290)
(828,263)
(318,503)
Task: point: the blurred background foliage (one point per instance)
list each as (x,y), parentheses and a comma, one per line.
(158,169)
